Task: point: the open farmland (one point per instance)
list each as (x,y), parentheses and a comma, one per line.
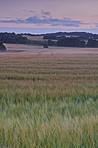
(48,97)
(35,38)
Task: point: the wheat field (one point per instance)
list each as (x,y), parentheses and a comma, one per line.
(49,101)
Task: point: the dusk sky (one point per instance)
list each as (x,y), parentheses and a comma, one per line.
(41,16)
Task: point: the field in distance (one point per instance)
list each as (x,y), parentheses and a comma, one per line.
(29,49)
(35,38)
(48,100)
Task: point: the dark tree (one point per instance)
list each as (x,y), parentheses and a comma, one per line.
(45,45)
(92,43)
(51,43)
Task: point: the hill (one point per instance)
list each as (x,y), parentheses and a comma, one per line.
(59,35)
(13,38)
(18,39)
(65,39)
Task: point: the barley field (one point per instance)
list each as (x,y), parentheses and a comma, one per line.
(48,100)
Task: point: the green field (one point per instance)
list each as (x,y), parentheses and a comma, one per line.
(49,101)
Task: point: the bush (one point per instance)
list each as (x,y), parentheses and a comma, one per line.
(45,45)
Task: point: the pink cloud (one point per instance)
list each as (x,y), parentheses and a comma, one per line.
(82,26)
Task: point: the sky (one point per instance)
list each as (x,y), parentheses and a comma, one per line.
(44,16)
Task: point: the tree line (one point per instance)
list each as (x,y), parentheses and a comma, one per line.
(13,38)
(76,42)
(61,41)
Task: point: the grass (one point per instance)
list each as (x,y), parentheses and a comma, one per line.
(34,37)
(49,101)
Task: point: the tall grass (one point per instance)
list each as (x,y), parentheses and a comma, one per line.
(49,101)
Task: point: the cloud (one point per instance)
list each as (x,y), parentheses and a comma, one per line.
(46,13)
(96,24)
(8,17)
(31,11)
(17,21)
(45,20)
